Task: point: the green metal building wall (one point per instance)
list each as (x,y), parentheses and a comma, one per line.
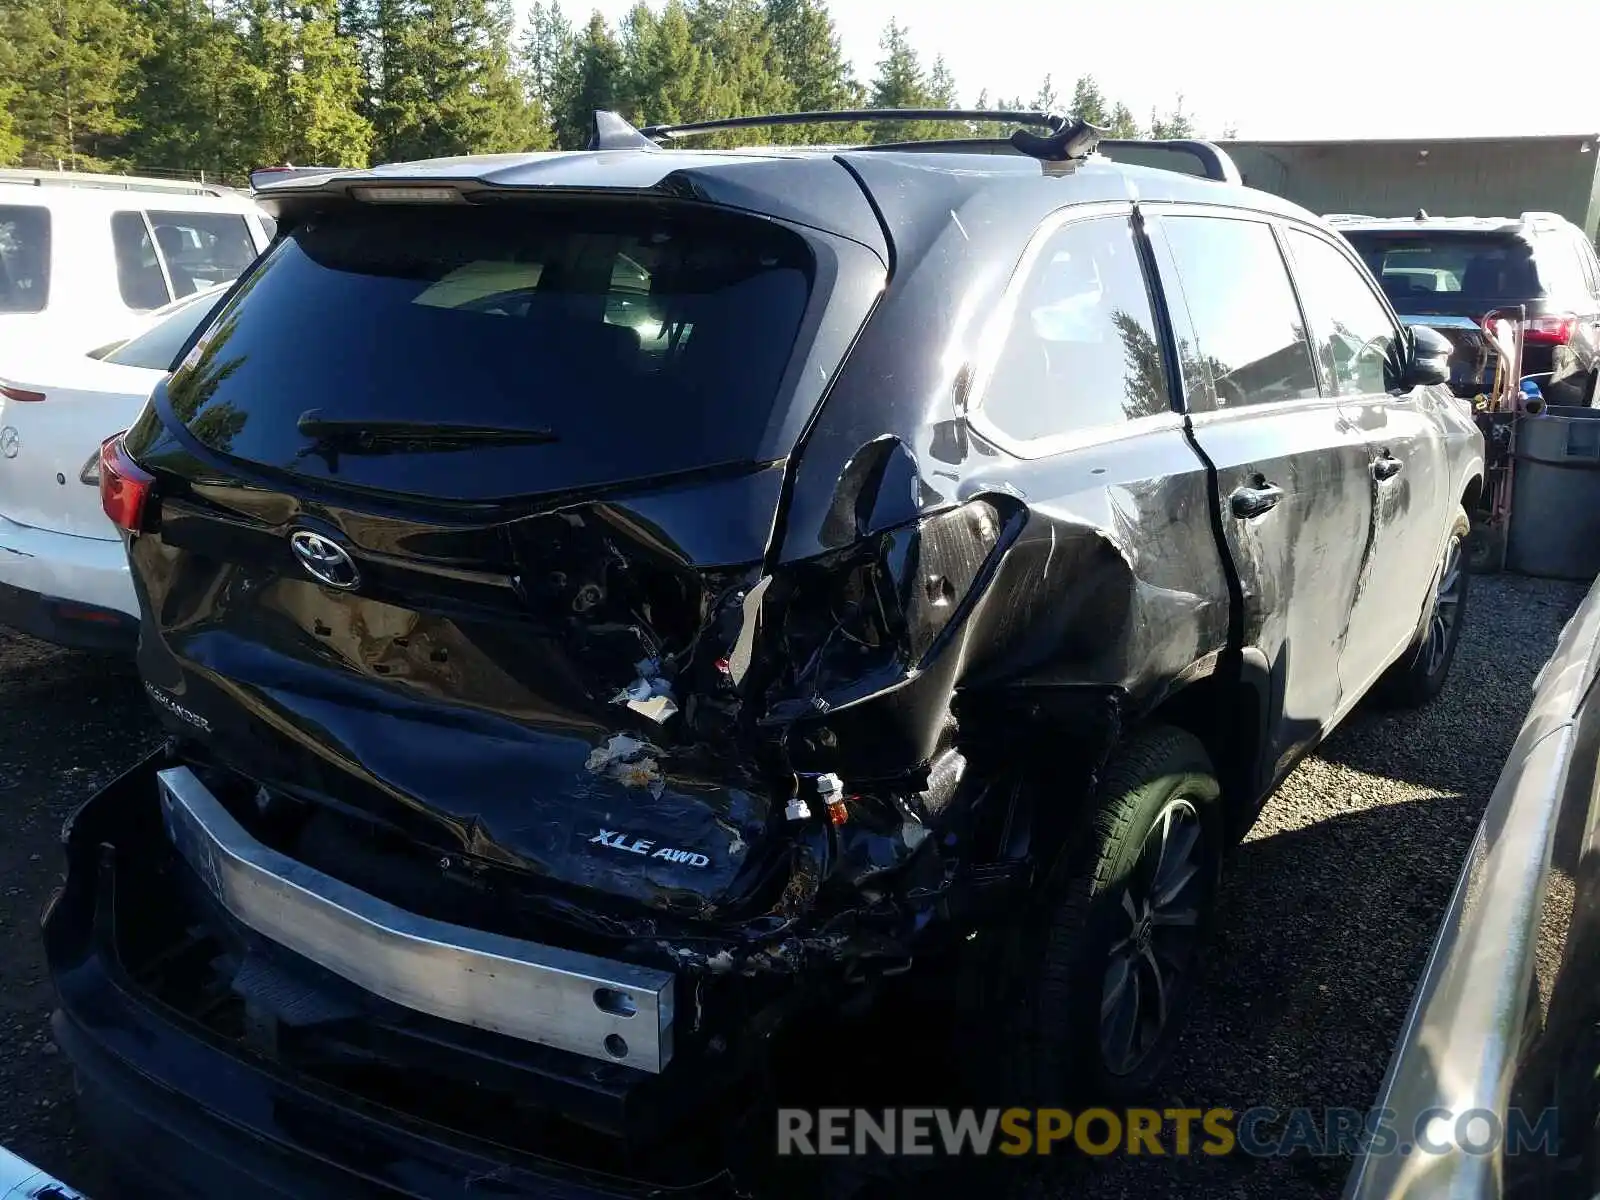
(1447,176)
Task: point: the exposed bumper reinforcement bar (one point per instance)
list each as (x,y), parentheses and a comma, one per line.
(616,1012)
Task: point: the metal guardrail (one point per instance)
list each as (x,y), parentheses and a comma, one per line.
(1476,1008)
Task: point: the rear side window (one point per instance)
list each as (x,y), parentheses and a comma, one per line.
(158,346)
(1588,283)
(139,277)
(202,249)
(1558,261)
(617,343)
(1081,351)
(1250,338)
(1356,342)
(24,258)
(1466,266)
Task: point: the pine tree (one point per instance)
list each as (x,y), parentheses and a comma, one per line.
(1089,102)
(942,93)
(299,86)
(10,138)
(589,81)
(742,67)
(667,76)
(1123,123)
(1176,124)
(447,84)
(1048,100)
(79,59)
(545,52)
(809,55)
(900,83)
(182,110)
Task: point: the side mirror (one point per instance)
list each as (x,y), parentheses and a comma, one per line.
(1429,359)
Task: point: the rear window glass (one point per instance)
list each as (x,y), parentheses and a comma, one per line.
(157,347)
(639,343)
(1452,266)
(139,278)
(202,249)
(24,258)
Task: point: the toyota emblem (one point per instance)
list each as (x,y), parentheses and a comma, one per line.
(10,441)
(324,559)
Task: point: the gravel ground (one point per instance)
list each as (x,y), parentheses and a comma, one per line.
(1328,913)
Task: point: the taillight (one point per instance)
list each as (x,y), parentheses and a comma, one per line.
(1549,331)
(16,393)
(124,486)
(856,619)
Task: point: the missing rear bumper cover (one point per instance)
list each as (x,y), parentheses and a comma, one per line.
(543,994)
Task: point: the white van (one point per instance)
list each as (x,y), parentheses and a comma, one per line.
(84,257)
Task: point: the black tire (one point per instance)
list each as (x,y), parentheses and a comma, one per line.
(1419,675)
(1054,1046)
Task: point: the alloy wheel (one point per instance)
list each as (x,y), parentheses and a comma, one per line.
(1161,909)
(1446,607)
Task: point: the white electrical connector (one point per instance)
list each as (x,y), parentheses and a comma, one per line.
(797,809)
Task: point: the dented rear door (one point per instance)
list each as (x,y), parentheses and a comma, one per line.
(1293,490)
(459,508)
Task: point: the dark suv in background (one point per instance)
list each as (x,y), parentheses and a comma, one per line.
(1468,266)
(613,608)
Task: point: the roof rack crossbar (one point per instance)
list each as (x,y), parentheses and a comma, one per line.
(853,116)
(1066,137)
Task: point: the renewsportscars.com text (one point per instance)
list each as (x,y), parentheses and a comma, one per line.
(1259,1132)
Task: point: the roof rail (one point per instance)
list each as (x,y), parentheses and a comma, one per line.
(1335,218)
(1543,218)
(1215,163)
(39,177)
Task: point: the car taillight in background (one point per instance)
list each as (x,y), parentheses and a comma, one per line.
(124,486)
(1549,331)
(15,393)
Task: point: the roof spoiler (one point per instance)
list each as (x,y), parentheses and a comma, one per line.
(1065,138)
(265,176)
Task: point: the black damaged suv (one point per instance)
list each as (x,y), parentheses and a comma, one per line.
(610,605)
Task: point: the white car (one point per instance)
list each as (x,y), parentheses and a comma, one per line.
(63,570)
(83,258)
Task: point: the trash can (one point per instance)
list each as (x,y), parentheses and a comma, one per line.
(1555,495)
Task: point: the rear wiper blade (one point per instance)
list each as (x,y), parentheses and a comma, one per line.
(356,434)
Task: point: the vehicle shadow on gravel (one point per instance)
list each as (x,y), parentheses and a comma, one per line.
(68,723)
(1459,742)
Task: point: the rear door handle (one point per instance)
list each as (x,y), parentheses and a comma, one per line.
(1247,502)
(1386,466)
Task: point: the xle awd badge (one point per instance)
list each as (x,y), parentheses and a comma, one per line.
(621,841)
(324,559)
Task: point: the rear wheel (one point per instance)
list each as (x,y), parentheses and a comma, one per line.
(1420,674)
(1107,981)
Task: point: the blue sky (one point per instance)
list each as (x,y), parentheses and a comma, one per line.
(1360,68)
